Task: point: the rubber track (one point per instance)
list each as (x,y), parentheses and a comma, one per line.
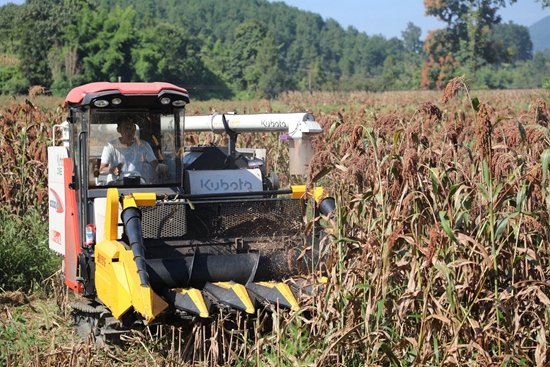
(87,308)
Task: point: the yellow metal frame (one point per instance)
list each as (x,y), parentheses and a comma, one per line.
(116,277)
(299,191)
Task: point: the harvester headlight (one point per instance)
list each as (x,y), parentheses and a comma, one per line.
(165,100)
(178,103)
(101,103)
(116,101)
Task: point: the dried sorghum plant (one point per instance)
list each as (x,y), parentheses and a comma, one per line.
(453,87)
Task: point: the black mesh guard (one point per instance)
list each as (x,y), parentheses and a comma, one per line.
(266,217)
(165,220)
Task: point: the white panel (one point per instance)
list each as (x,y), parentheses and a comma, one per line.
(56,195)
(223,181)
(291,123)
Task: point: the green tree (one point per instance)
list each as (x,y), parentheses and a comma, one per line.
(253,61)
(331,46)
(65,56)
(215,55)
(34,35)
(162,54)
(411,38)
(114,58)
(264,76)
(390,74)
(10,18)
(106,40)
(464,40)
(12,80)
(41,27)
(166,53)
(410,71)
(512,42)
(349,53)
(304,48)
(248,41)
(303,39)
(540,67)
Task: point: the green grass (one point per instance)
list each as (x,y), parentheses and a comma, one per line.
(25,258)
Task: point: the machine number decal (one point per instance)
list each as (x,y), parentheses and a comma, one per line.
(101,259)
(60,165)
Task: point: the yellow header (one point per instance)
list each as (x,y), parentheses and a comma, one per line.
(111,215)
(298,191)
(139,199)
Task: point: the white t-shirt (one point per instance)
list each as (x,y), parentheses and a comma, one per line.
(135,157)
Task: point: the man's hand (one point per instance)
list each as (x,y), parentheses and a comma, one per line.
(162,171)
(116,170)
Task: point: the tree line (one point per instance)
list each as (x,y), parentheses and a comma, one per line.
(255,48)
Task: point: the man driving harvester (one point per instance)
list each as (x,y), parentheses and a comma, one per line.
(129,154)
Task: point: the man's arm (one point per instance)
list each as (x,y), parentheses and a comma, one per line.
(106,158)
(150,156)
(104,167)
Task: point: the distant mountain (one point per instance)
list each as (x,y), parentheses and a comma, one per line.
(540,35)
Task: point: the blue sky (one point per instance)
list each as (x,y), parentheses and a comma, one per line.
(390,17)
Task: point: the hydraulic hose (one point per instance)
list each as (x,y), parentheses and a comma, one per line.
(131,217)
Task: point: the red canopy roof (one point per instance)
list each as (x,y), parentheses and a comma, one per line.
(76,95)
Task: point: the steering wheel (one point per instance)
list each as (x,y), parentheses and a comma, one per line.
(113,180)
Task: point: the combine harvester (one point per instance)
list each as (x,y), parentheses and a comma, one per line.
(188,231)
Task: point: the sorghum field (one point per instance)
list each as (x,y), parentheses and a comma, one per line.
(440,254)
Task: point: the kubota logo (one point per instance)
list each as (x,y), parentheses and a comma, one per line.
(55,202)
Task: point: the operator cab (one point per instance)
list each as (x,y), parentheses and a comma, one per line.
(154,133)
(151,155)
